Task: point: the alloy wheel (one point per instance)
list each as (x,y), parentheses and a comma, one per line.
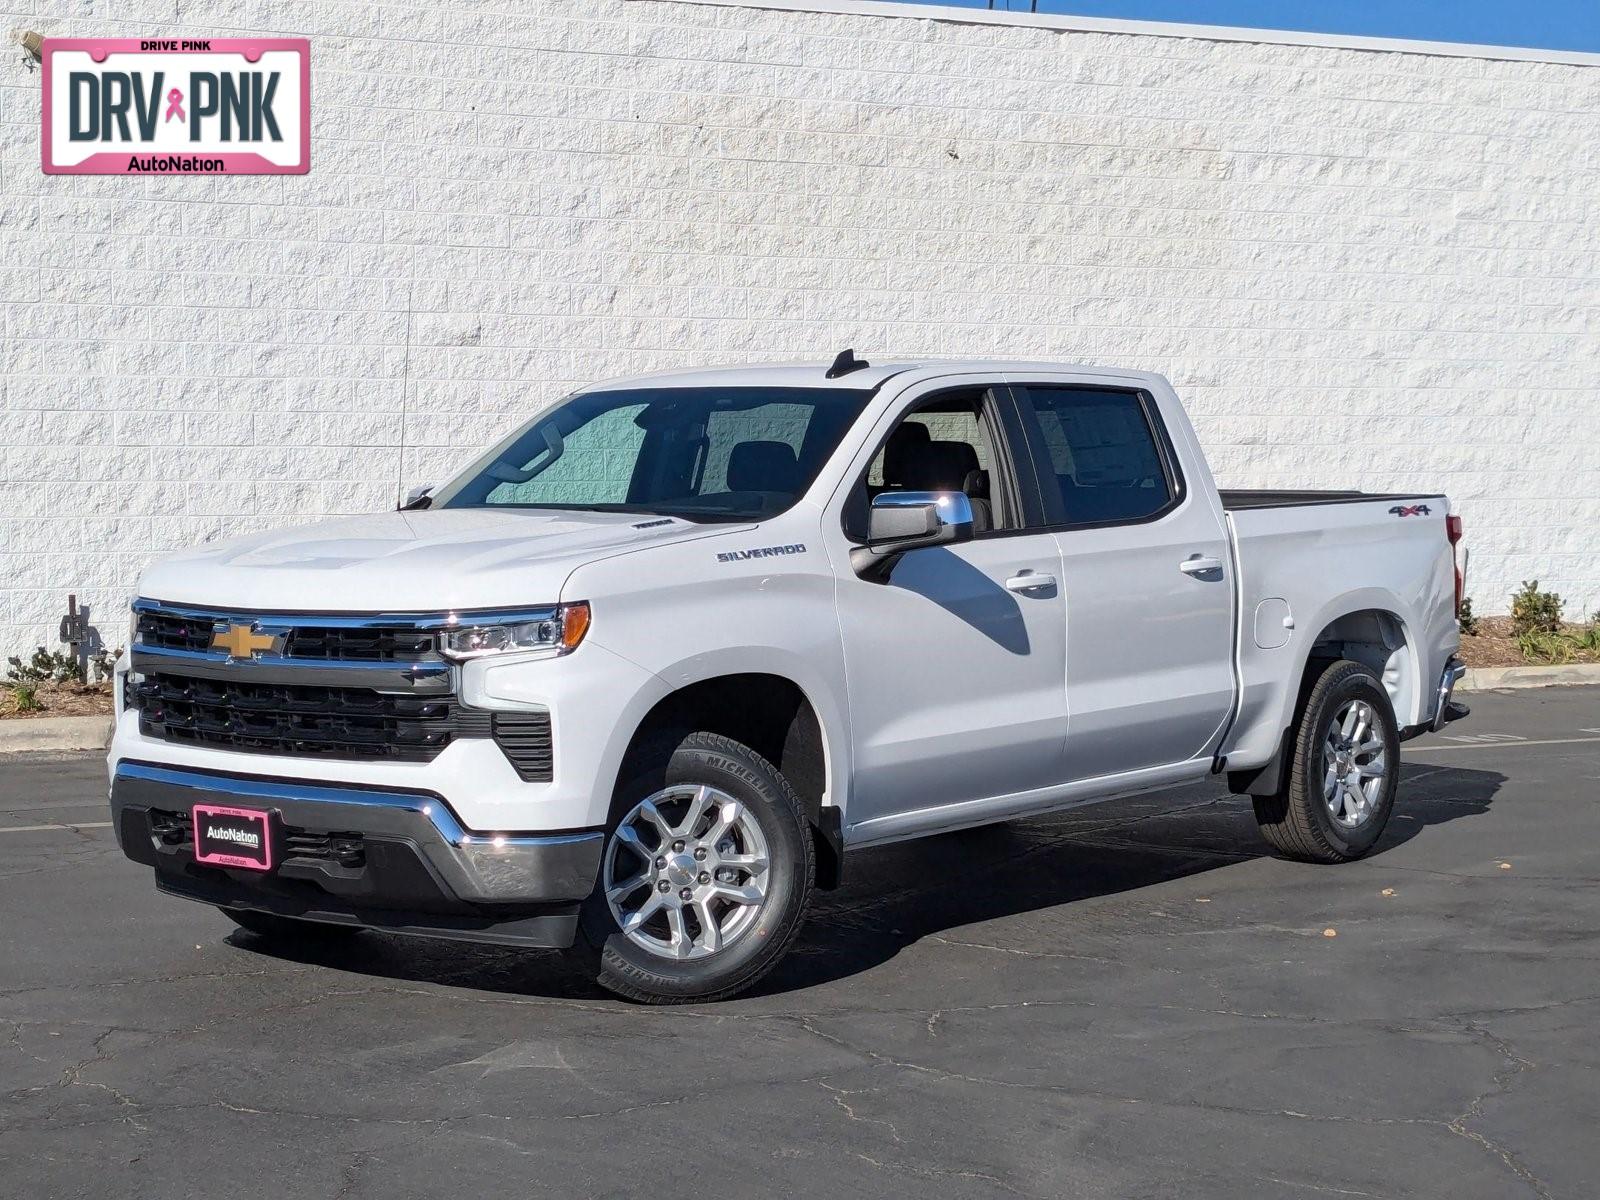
(1354,763)
(686,872)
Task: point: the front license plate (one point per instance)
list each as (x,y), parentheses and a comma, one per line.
(233,837)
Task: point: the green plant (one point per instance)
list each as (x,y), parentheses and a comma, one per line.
(44,666)
(26,697)
(59,666)
(1551,649)
(1533,611)
(1468,622)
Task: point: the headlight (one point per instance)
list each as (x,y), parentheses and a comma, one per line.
(560,634)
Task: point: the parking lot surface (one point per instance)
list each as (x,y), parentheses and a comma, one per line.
(1131,999)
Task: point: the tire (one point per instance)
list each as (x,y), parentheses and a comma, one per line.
(735,919)
(287,929)
(1301,821)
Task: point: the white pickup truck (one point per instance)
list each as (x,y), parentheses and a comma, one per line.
(637,679)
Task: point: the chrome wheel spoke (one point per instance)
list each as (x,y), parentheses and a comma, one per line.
(619,893)
(728,815)
(739,893)
(710,931)
(1355,801)
(1347,727)
(636,919)
(754,863)
(682,945)
(629,837)
(651,813)
(697,809)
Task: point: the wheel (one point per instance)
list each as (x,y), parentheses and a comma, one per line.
(287,929)
(706,876)
(1342,776)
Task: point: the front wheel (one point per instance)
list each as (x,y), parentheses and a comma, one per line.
(1342,778)
(706,875)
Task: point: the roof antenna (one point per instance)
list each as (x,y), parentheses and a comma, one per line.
(845,363)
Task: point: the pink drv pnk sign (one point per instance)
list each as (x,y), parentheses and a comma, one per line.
(177,106)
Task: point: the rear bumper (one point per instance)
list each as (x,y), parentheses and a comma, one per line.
(1445,710)
(356,855)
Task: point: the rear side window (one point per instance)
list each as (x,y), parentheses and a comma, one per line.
(1102,451)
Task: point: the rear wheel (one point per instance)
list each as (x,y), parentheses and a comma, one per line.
(1342,777)
(706,876)
(288,929)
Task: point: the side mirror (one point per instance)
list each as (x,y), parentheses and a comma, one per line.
(416,496)
(902,521)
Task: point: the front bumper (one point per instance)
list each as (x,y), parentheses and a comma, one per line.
(398,860)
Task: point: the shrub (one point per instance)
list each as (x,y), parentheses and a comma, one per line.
(59,666)
(1468,622)
(1550,649)
(26,697)
(44,666)
(1533,611)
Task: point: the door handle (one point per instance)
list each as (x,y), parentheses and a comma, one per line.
(1030,581)
(1200,566)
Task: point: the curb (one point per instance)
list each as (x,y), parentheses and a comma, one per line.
(54,733)
(1483,679)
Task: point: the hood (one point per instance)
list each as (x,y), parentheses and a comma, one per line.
(422,561)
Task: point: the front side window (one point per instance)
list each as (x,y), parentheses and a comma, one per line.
(943,445)
(705,454)
(1102,453)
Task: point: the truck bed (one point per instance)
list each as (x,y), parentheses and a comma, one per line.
(1240,498)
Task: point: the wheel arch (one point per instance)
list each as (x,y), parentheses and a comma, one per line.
(776,717)
(1369,627)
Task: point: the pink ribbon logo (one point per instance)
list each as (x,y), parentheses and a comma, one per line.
(175,105)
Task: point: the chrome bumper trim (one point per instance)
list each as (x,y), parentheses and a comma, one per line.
(479,867)
(1453,671)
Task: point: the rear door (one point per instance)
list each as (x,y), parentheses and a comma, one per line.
(1145,574)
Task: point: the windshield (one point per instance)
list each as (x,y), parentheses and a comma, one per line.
(706,454)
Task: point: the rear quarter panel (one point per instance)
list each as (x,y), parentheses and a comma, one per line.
(1326,561)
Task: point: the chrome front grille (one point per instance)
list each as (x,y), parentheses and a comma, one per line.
(345,687)
(191,631)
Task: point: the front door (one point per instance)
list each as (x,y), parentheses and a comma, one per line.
(955,665)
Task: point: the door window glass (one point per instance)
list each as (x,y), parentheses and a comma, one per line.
(943,446)
(1102,453)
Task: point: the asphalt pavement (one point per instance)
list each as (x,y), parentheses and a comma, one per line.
(1128,1000)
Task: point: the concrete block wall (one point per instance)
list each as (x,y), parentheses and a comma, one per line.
(1361,269)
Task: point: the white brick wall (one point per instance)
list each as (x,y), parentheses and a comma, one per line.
(1361,269)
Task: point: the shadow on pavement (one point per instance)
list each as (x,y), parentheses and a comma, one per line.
(895,896)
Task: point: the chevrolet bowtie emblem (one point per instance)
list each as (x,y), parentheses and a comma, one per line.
(241,641)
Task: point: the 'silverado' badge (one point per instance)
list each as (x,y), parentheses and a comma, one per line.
(167,106)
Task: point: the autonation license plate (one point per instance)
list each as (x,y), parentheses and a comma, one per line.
(233,837)
(177,106)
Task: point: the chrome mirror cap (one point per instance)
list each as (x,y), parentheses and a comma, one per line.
(902,521)
(917,514)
